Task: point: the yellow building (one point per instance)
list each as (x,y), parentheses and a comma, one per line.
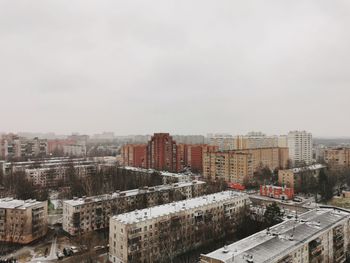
(238,166)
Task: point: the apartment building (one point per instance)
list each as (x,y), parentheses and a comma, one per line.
(338,157)
(57,175)
(320,235)
(300,147)
(13,146)
(22,221)
(159,233)
(134,155)
(272,157)
(76,150)
(190,156)
(163,153)
(225,142)
(293,177)
(82,215)
(277,192)
(239,166)
(168,177)
(231,166)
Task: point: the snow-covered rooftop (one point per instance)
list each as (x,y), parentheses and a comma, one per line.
(282,239)
(308,168)
(163,173)
(172,208)
(11,203)
(81,201)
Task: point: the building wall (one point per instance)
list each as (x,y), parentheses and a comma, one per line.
(152,238)
(238,166)
(23,225)
(337,158)
(300,147)
(278,192)
(135,155)
(93,213)
(162,153)
(229,166)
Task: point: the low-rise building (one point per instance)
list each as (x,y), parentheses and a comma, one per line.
(82,215)
(57,175)
(320,235)
(278,192)
(22,221)
(159,233)
(293,177)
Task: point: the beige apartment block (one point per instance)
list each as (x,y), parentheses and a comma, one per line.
(22,221)
(273,157)
(230,166)
(318,236)
(337,158)
(82,215)
(239,166)
(162,232)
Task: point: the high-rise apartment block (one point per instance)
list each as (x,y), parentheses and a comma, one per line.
(82,215)
(320,235)
(162,232)
(239,166)
(300,147)
(163,153)
(22,221)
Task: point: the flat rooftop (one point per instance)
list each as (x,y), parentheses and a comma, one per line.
(266,247)
(10,203)
(163,173)
(92,199)
(172,208)
(307,168)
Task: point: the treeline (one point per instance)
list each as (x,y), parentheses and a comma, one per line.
(229,230)
(100,182)
(109,180)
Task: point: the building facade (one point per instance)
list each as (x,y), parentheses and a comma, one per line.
(159,233)
(22,221)
(134,155)
(230,166)
(161,153)
(300,147)
(82,215)
(320,235)
(293,177)
(277,192)
(239,166)
(338,157)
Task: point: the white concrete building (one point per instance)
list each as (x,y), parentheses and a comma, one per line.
(318,236)
(300,147)
(82,215)
(162,232)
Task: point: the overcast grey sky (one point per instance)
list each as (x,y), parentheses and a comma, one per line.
(183,66)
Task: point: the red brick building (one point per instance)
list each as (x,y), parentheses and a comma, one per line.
(278,192)
(56,146)
(162,153)
(135,155)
